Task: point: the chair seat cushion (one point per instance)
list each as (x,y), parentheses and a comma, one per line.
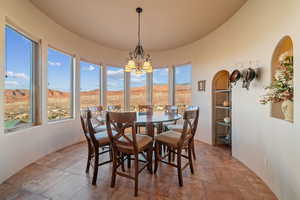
(100,128)
(169,137)
(102,137)
(176,127)
(141,140)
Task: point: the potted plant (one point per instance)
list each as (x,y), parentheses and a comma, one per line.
(281,89)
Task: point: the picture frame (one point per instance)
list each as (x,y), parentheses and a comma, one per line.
(201,85)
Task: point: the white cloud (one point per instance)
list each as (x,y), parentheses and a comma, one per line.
(54,64)
(117,72)
(15,83)
(91,68)
(17,75)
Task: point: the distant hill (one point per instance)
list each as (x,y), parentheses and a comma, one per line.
(19,95)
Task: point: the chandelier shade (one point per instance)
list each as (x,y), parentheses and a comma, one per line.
(137,61)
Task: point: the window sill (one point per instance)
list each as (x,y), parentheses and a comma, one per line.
(21,128)
(60,121)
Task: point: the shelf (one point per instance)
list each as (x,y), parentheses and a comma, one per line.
(222,91)
(224,107)
(225,139)
(223,123)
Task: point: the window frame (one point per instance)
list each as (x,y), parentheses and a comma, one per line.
(35,90)
(72,84)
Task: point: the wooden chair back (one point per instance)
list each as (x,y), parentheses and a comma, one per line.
(90,128)
(83,118)
(190,117)
(146,108)
(121,121)
(97,117)
(171,109)
(114,108)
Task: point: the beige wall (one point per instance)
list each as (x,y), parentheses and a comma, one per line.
(20,148)
(268,146)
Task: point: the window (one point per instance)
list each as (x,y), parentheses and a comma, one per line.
(137,90)
(90,77)
(160,96)
(115,87)
(60,85)
(19,84)
(183,86)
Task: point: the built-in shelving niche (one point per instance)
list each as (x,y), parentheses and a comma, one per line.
(221,92)
(284,47)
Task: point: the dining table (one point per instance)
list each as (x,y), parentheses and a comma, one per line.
(155,119)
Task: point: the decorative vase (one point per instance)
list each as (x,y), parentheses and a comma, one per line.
(287,108)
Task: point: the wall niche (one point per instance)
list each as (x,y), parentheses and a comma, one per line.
(284,48)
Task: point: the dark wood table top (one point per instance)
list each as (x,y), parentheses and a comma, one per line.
(156,117)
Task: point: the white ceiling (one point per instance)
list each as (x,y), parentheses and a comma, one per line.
(166,24)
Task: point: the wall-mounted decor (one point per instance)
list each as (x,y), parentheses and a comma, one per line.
(280,94)
(201,85)
(246,75)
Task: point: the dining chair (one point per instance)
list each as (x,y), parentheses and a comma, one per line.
(147,109)
(128,142)
(179,128)
(173,110)
(177,142)
(98,140)
(114,108)
(83,117)
(98,118)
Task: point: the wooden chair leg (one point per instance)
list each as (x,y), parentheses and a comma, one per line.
(88,164)
(114,170)
(136,174)
(169,154)
(193,149)
(149,159)
(179,170)
(122,162)
(190,158)
(129,161)
(156,157)
(96,165)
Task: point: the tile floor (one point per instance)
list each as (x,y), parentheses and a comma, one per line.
(61,175)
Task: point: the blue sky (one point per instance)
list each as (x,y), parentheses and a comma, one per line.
(89,76)
(115,78)
(59,70)
(18,62)
(183,74)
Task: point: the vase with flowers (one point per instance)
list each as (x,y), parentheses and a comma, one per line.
(281,89)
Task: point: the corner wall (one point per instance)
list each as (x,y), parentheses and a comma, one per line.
(268,146)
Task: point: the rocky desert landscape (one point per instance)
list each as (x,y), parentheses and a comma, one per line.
(17,106)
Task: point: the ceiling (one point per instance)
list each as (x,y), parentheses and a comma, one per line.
(166,24)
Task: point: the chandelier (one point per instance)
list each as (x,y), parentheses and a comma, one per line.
(138,62)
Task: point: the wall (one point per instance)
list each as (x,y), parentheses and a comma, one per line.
(20,148)
(268,146)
